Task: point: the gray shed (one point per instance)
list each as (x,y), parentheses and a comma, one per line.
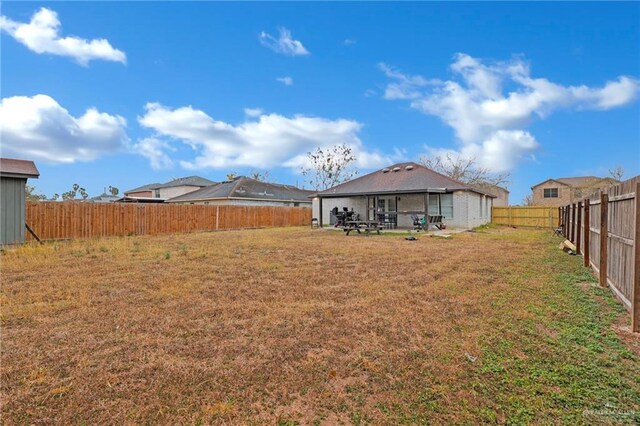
(13,178)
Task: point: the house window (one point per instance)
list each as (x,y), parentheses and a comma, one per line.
(551,193)
(157,195)
(441,205)
(446,205)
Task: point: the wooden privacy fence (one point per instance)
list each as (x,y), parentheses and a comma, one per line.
(64,220)
(605,227)
(541,217)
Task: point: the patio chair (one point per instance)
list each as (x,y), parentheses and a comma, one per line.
(559,231)
(418,224)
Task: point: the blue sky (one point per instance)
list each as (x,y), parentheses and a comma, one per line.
(130,93)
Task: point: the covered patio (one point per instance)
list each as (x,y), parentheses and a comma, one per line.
(395,195)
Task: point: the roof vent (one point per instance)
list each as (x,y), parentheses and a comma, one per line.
(396,169)
(409,167)
(385,170)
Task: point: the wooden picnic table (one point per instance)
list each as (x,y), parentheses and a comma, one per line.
(362,225)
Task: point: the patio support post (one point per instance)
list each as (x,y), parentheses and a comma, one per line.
(320,212)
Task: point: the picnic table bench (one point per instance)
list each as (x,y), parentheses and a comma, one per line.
(362,225)
(423,224)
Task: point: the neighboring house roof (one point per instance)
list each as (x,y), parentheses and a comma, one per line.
(399,178)
(129,199)
(10,167)
(188,181)
(578,181)
(104,198)
(492,189)
(183,181)
(246,188)
(148,187)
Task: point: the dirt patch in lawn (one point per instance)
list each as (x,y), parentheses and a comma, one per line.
(298,326)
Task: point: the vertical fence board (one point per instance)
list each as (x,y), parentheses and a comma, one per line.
(68,220)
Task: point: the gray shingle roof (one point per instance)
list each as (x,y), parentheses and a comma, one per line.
(247,188)
(148,187)
(188,181)
(399,178)
(183,181)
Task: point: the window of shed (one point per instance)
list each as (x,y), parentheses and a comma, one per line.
(551,193)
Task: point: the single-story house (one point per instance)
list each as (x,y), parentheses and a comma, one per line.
(397,192)
(244,191)
(502,194)
(103,198)
(13,179)
(560,191)
(173,188)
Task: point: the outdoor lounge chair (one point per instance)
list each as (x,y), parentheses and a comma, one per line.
(418,224)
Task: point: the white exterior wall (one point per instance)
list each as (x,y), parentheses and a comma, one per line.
(359,205)
(174,191)
(460,210)
(479,211)
(315,208)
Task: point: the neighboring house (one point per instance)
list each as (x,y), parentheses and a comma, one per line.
(173,188)
(502,194)
(104,198)
(561,191)
(244,191)
(395,193)
(13,179)
(145,191)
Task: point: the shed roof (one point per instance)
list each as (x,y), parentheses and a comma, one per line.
(246,188)
(399,178)
(11,167)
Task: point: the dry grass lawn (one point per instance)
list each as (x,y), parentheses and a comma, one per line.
(294,326)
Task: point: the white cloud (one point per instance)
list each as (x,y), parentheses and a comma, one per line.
(253,112)
(284,44)
(349,42)
(38,128)
(271,140)
(489,122)
(155,150)
(41,35)
(287,81)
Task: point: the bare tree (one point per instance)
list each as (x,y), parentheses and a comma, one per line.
(617,173)
(329,167)
(30,194)
(258,175)
(464,169)
(528,200)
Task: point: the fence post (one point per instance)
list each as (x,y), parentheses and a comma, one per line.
(573,223)
(587,232)
(568,216)
(579,227)
(604,237)
(635,291)
(559,217)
